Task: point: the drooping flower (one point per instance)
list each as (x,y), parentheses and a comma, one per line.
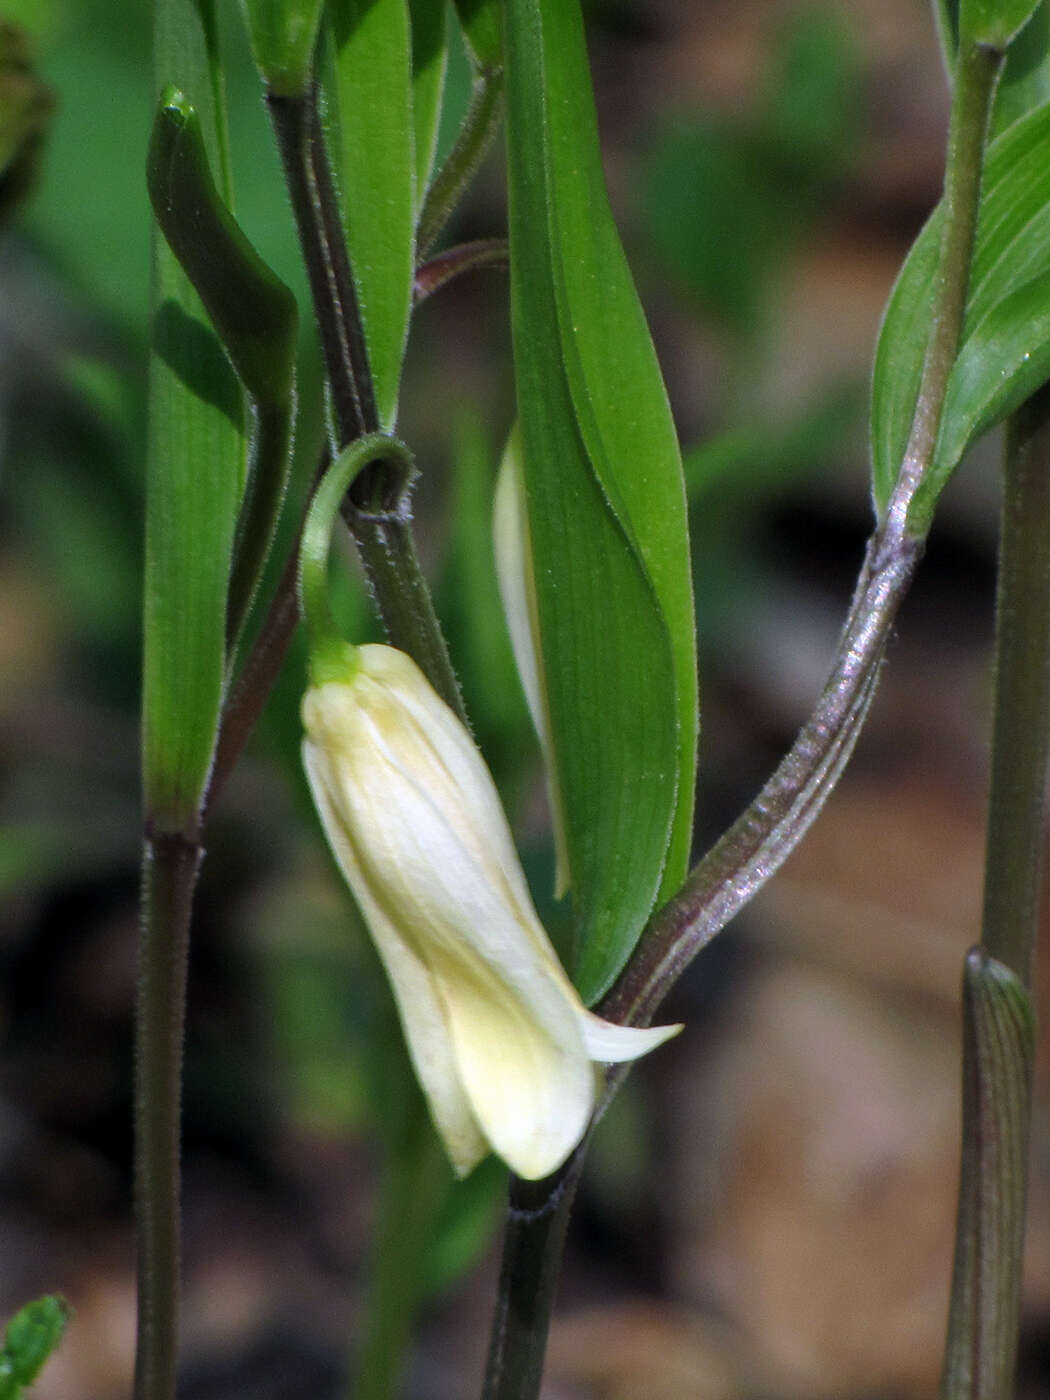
(503,1047)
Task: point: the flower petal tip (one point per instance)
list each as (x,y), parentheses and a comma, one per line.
(609,1044)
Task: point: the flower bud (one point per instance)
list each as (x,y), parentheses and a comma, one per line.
(503,1047)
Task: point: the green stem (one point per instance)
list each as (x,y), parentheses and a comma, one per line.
(768,831)
(981,1351)
(376,452)
(1017,800)
(170,865)
(388,554)
(977,74)
(460,165)
(250,691)
(271,457)
(378,517)
(300,142)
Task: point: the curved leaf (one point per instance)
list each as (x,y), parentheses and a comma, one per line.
(429,61)
(1005,348)
(899,355)
(605,504)
(195,476)
(254,314)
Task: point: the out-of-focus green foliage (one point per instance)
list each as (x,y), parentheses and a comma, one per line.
(26,107)
(727,199)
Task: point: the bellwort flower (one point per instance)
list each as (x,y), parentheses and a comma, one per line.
(503,1047)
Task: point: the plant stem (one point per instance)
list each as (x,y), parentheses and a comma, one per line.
(1017,799)
(440,270)
(534,1238)
(267,482)
(169,876)
(300,142)
(981,1352)
(755,846)
(378,515)
(247,698)
(388,553)
(460,165)
(977,74)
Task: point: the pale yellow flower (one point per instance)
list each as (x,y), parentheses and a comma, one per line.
(503,1047)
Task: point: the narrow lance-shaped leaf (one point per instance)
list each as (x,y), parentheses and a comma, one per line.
(1025,84)
(994,22)
(373,139)
(283,36)
(483,31)
(1005,349)
(253,312)
(429,62)
(605,504)
(998,1043)
(195,476)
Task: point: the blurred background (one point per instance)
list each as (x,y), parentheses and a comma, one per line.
(769,1207)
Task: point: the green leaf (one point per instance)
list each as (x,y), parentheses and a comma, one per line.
(195,477)
(283,37)
(1004,360)
(1025,83)
(994,22)
(899,357)
(254,314)
(483,31)
(1004,352)
(373,150)
(605,502)
(31,1336)
(27,106)
(998,1050)
(429,62)
(252,310)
